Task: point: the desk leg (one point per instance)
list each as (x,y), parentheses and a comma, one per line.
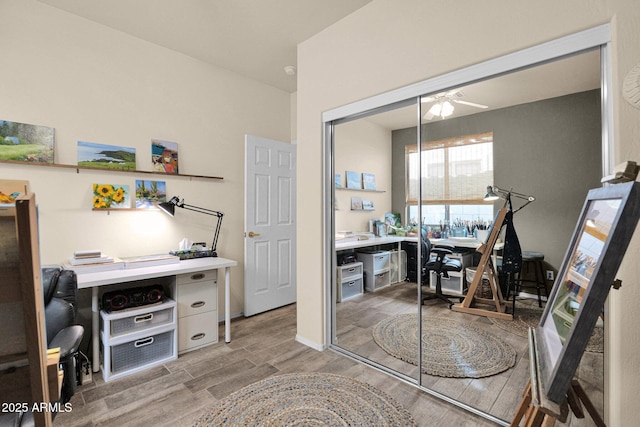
(227,307)
(95,330)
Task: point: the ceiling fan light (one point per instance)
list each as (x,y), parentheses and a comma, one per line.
(435,109)
(447,109)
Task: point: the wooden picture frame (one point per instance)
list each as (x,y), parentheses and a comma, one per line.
(597,247)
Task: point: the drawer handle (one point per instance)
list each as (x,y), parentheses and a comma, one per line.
(198,336)
(351,270)
(197,276)
(351,283)
(143,318)
(143,342)
(198,304)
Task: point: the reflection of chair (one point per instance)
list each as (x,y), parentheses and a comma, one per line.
(59,288)
(441,265)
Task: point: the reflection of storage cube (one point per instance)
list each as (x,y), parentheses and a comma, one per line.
(349,289)
(398,266)
(374,260)
(373,282)
(349,281)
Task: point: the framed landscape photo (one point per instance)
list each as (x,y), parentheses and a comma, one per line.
(606,224)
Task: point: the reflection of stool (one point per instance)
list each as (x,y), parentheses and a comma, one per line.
(533,260)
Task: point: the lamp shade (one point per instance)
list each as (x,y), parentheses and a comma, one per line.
(491,195)
(170,206)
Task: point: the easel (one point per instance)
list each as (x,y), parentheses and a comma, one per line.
(486,266)
(538,411)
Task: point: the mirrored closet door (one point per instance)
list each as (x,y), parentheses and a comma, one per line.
(411,176)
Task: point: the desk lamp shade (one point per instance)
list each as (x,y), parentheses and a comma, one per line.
(170,209)
(490,194)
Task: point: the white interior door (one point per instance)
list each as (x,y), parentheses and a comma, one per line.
(270,225)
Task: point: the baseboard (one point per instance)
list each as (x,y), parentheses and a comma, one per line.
(312,344)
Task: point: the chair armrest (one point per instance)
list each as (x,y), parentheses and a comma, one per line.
(68,340)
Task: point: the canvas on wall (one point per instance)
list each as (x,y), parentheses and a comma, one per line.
(26,143)
(150,193)
(105,156)
(111,196)
(164,156)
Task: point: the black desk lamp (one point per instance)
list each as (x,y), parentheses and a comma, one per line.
(494,193)
(170,207)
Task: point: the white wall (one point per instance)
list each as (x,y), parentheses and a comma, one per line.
(92,83)
(362,147)
(386,45)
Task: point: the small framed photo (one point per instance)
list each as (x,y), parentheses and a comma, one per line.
(367,205)
(369,181)
(354,180)
(356,204)
(338,181)
(601,237)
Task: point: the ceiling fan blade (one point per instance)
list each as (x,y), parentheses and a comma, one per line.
(471,104)
(429,115)
(427,99)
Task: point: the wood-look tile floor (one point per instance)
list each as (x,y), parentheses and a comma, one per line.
(177,393)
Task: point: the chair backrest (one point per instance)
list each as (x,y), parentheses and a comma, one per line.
(426,248)
(60,294)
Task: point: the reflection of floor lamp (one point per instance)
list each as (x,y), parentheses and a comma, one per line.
(170,208)
(485,266)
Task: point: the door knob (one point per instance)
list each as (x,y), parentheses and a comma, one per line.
(252,234)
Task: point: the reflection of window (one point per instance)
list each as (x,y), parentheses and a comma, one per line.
(455,175)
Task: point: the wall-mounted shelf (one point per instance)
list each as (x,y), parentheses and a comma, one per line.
(78,168)
(360,189)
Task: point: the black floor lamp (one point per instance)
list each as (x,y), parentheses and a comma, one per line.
(170,207)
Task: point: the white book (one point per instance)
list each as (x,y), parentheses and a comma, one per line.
(91,253)
(84,261)
(149,260)
(116,264)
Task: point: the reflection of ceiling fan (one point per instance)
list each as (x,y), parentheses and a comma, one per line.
(443,106)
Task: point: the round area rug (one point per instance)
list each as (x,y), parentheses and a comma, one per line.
(449,348)
(307,399)
(526,318)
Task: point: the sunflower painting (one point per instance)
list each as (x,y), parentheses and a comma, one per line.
(110,196)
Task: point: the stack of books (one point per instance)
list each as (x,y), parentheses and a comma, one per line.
(93,261)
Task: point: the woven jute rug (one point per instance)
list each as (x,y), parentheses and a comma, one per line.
(449,348)
(529,317)
(307,399)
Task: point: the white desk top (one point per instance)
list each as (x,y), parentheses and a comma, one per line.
(89,280)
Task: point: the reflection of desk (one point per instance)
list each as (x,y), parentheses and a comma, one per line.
(96,280)
(466,243)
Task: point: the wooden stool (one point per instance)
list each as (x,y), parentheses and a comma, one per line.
(533,260)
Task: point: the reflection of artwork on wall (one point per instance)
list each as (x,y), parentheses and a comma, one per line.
(10,189)
(354,180)
(338,181)
(356,204)
(164,156)
(26,143)
(150,193)
(105,156)
(369,181)
(111,196)
(367,205)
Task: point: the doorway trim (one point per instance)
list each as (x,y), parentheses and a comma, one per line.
(595,38)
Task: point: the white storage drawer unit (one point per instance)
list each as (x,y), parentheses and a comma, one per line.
(142,352)
(197,310)
(376,265)
(373,282)
(349,281)
(139,338)
(456,283)
(374,260)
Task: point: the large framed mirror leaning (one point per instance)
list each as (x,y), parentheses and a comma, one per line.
(405,174)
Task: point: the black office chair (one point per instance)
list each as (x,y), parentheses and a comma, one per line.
(441,265)
(59,288)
